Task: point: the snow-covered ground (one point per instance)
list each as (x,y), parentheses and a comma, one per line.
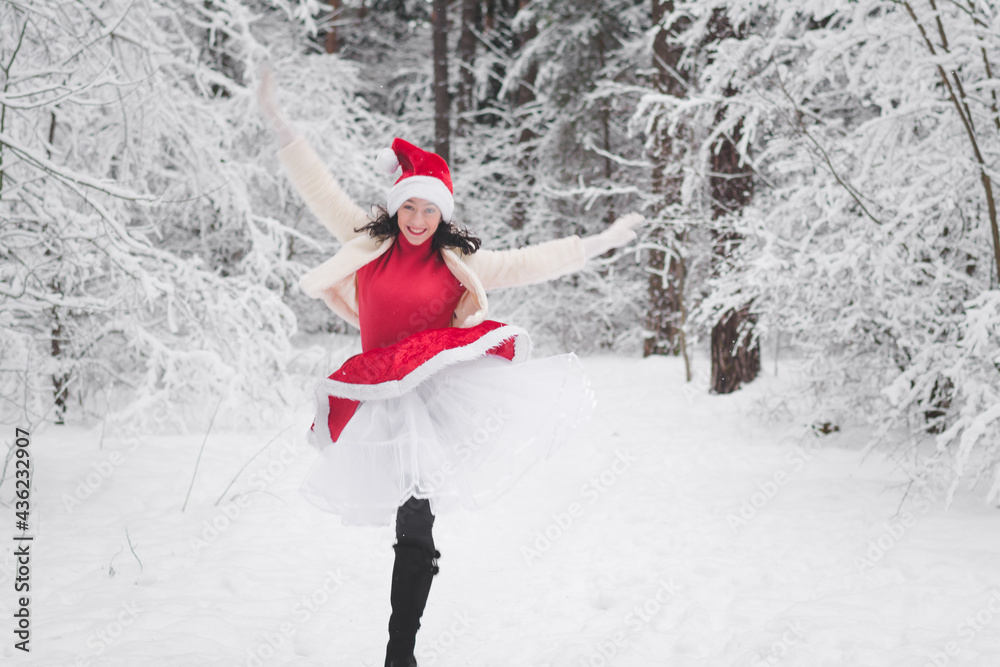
(677,528)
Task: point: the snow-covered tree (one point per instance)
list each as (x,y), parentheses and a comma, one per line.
(147,238)
(873,132)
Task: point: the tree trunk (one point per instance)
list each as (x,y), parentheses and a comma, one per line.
(442,100)
(734,362)
(735,355)
(491,15)
(666,313)
(526,88)
(59,380)
(605,114)
(56,332)
(498,16)
(57,336)
(525,95)
(331,43)
(466,63)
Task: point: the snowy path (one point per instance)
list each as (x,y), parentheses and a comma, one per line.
(628,548)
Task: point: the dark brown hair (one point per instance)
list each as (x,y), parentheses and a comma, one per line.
(447,234)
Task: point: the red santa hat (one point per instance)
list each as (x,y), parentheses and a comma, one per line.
(425,176)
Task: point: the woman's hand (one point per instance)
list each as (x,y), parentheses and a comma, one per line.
(265,96)
(268,106)
(621,232)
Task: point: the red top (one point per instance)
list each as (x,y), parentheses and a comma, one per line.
(405,290)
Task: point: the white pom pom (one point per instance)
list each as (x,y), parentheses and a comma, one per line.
(386,161)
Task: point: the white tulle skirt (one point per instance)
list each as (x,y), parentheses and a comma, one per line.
(461,437)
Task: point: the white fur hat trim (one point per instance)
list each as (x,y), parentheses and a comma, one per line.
(422,187)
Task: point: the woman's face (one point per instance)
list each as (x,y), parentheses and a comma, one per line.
(418,220)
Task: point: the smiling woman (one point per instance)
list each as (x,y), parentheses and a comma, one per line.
(396,424)
(418,220)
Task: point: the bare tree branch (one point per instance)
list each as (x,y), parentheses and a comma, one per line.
(970,132)
(826,158)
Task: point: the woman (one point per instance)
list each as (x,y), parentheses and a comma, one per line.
(442,408)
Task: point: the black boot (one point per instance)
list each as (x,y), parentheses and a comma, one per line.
(412,573)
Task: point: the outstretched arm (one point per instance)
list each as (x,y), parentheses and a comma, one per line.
(528,265)
(308,174)
(549,260)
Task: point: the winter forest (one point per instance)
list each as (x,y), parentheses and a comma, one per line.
(821,255)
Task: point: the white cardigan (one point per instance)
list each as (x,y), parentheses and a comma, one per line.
(335,280)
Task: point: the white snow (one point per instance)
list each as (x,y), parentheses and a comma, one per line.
(625,548)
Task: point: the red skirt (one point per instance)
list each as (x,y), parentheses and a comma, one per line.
(454,415)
